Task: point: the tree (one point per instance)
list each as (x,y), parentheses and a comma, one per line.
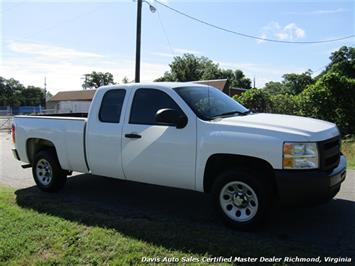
(343,61)
(256,100)
(189,67)
(240,81)
(296,83)
(48,95)
(275,87)
(14,94)
(32,96)
(97,79)
(125,80)
(168,76)
(10,91)
(331,98)
(284,104)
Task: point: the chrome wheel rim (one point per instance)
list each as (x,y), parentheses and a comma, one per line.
(239,201)
(44,172)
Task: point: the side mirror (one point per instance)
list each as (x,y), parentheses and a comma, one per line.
(171,117)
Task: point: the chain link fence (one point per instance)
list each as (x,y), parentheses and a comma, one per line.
(7,114)
(5,122)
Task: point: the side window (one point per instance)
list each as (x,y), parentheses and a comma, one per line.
(111,106)
(146,103)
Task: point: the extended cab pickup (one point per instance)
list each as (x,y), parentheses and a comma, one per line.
(191,137)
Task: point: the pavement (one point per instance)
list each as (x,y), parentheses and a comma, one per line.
(328,228)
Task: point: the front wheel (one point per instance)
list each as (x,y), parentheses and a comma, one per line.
(47,173)
(242,198)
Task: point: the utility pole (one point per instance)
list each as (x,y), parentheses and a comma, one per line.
(138,40)
(254,83)
(45,92)
(138,36)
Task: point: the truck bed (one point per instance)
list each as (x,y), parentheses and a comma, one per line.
(66,133)
(65,115)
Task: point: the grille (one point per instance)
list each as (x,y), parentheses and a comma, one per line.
(329,151)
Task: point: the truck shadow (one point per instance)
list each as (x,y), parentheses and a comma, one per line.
(184,220)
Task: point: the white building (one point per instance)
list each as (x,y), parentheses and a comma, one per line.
(71,101)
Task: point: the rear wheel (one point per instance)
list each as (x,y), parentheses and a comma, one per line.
(242,198)
(47,173)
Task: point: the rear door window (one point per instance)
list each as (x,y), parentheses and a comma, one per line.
(111,106)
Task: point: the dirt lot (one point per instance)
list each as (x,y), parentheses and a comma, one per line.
(326,230)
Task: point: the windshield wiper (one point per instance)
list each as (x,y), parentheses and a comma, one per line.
(231,113)
(246,112)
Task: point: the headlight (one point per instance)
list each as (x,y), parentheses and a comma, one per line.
(300,156)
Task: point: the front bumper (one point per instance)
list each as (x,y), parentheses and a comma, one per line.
(299,187)
(15,154)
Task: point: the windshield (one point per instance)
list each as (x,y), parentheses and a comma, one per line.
(209,103)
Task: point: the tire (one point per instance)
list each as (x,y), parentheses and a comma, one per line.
(47,173)
(242,198)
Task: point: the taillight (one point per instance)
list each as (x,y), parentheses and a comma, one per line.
(13,133)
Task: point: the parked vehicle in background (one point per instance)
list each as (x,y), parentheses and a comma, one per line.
(191,137)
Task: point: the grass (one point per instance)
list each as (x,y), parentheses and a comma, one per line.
(348,148)
(31,238)
(50,229)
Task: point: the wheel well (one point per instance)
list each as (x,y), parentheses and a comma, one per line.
(218,162)
(34,145)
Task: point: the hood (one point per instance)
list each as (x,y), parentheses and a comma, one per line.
(307,128)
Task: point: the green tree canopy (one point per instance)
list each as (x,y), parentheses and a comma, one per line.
(331,98)
(189,67)
(296,83)
(292,83)
(343,61)
(236,78)
(97,79)
(284,104)
(256,100)
(275,87)
(13,93)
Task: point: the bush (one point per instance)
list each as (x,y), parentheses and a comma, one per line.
(261,101)
(331,98)
(256,100)
(284,104)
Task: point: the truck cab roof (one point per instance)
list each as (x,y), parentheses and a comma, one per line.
(169,85)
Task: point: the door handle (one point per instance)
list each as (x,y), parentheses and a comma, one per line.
(133,136)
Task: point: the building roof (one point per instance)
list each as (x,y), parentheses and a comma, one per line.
(82,95)
(217,83)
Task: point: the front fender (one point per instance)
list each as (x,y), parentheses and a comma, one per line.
(264,147)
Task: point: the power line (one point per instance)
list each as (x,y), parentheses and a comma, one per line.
(97,8)
(164,32)
(320,69)
(15,5)
(248,35)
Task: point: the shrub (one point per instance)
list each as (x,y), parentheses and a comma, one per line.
(331,98)
(284,104)
(256,100)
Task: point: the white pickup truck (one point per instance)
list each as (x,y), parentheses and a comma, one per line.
(191,137)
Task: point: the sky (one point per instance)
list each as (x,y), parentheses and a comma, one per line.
(63,40)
